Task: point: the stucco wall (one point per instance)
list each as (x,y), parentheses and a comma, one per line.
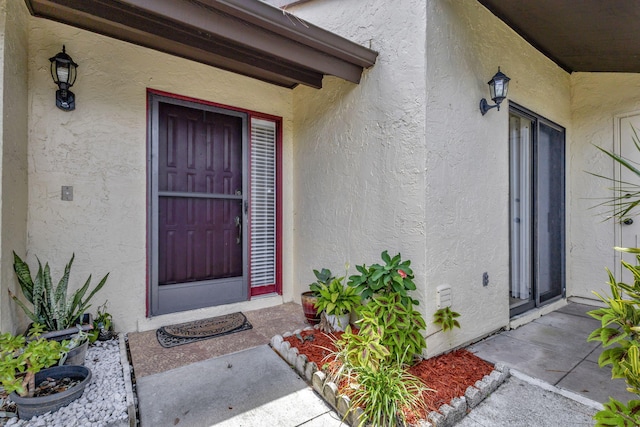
(467,163)
(100,150)
(405,161)
(13,123)
(596,99)
(359,149)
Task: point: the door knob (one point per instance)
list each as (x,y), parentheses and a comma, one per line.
(628,221)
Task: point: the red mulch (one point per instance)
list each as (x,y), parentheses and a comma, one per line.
(448,374)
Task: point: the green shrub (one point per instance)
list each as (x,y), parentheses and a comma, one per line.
(400,323)
(323,277)
(385,393)
(620,337)
(394,276)
(21,360)
(377,379)
(335,298)
(619,331)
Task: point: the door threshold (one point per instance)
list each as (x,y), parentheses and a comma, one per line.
(536,313)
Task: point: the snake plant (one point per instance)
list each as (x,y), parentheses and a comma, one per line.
(52,307)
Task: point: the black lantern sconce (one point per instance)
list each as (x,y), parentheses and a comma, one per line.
(498,87)
(63,73)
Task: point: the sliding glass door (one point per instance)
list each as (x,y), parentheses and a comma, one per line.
(537,211)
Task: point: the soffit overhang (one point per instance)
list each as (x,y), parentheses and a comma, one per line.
(585,35)
(247,37)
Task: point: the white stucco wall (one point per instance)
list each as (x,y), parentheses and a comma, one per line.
(100,150)
(467,164)
(406,162)
(13,125)
(596,99)
(359,149)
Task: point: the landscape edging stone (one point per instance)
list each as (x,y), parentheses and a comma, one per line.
(446,416)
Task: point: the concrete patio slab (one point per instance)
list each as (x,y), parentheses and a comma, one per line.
(253,387)
(519,404)
(577,309)
(595,354)
(590,381)
(537,361)
(579,325)
(556,339)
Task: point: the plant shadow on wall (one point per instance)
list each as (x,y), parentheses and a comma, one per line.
(620,318)
(371,362)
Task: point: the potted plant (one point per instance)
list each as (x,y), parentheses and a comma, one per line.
(310,297)
(51,307)
(102,325)
(26,364)
(337,301)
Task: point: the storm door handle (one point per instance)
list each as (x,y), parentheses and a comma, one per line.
(239,225)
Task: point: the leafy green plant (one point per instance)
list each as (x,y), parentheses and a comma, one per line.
(385,393)
(377,379)
(323,277)
(51,306)
(363,348)
(619,330)
(102,324)
(620,336)
(335,298)
(446,319)
(21,360)
(626,196)
(394,276)
(401,325)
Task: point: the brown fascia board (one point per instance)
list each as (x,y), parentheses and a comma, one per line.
(204,50)
(213,17)
(288,25)
(200,32)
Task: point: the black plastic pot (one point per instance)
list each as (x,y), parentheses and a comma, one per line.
(65,334)
(29,407)
(76,355)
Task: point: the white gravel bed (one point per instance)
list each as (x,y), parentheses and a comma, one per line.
(103,403)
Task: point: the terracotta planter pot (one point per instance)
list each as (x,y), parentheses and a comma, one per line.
(29,407)
(308,306)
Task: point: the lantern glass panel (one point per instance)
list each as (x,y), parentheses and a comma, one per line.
(63,73)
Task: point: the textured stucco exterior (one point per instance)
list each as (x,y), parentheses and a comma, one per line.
(359,150)
(13,152)
(403,161)
(101,150)
(597,98)
(467,162)
(416,167)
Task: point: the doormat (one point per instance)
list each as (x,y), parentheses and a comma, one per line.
(185,333)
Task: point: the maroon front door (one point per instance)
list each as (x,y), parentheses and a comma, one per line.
(200,218)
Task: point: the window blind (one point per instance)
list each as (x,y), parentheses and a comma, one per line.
(263,202)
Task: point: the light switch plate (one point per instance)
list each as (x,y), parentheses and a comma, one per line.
(67,193)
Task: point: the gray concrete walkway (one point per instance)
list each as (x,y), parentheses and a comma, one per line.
(556,381)
(252,387)
(554,349)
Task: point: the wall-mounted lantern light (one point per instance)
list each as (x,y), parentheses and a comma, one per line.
(63,73)
(498,87)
